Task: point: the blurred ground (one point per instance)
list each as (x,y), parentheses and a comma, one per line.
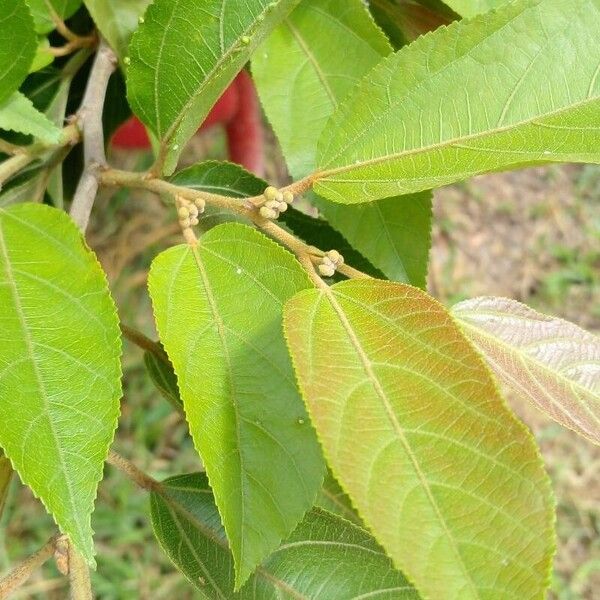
(532,235)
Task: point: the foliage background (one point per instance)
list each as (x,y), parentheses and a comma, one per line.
(531,235)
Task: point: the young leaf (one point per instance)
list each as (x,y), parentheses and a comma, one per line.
(117,20)
(59,364)
(333,498)
(510,88)
(325,558)
(185,55)
(18,44)
(414,429)
(5,479)
(218,309)
(393,235)
(42,14)
(405,20)
(17,113)
(551,362)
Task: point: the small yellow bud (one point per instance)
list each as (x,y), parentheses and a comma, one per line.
(271,193)
(183,212)
(326,270)
(335,257)
(185,223)
(288,197)
(282,207)
(272,204)
(199,202)
(267,213)
(193,210)
(327,262)
(194,221)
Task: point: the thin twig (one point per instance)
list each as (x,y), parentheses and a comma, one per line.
(304,252)
(21,573)
(90,117)
(71,46)
(59,24)
(132,472)
(79,576)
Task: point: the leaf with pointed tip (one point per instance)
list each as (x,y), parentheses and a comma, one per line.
(393,234)
(551,362)
(415,431)
(17,113)
(42,15)
(18,44)
(59,363)
(333,498)
(325,558)
(193,52)
(218,308)
(117,20)
(405,20)
(510,88)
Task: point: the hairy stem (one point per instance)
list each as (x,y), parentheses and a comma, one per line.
(90,116)
(248,209)
(21,573)
(79,576)
(132,472)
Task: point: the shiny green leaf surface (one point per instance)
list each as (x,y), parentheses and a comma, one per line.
(515,87)
(218,308)
(18,44)
(43,14)
(325,558)
(415,431)
(193,51)
(59,363)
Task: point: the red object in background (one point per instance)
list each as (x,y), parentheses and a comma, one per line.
(237,109)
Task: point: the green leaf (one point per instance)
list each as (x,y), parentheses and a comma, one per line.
(42,57)
(218,309)
(299,106)
(511,88)
(232,180)
(333,498)
(470,8)
(194,53)
(163,376)
(5,479)
(415,431)
(393,235)
(325,558)
(17,113)
(551,362)
(18,44)
(405,20)
(117,20)
(42,16)
(59,364)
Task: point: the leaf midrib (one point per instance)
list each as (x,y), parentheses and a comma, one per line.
(377,386)
(40,383)
(326,174)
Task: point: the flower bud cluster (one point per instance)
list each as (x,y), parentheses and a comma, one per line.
(275,202)
(329,263)
(188,211)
